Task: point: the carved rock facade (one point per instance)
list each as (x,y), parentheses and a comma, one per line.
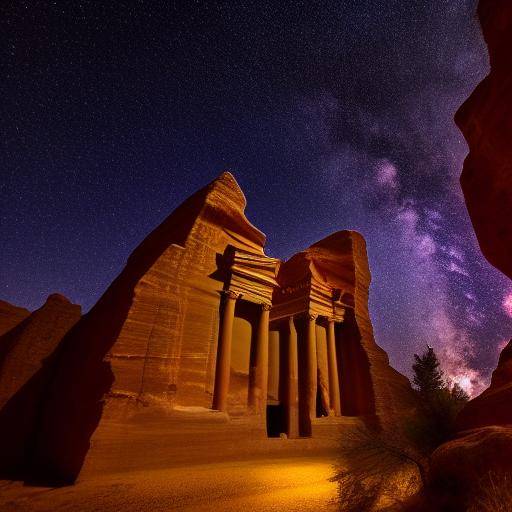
(204,347)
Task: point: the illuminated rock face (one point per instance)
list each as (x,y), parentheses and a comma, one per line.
(195,353)
(486,122)
(27,362)
(10,316)
(323,301)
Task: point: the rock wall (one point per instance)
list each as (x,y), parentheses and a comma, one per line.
(146,351)
(485,119)
(486,122)
(370,386)
(10,316)
(134,378)
(493,406)
(27,363)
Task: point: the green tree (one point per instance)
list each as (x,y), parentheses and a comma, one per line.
(428,376)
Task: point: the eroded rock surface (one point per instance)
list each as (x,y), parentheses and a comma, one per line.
(173,364)
(27,363)
(493,406)
(486,122)
(460,466)
(11,316)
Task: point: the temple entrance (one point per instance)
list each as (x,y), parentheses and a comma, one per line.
(276,420)
(320,406)
(276,411)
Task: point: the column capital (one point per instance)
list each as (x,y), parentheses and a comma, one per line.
(331,319)
(265,306)
(311,316)
(231,295)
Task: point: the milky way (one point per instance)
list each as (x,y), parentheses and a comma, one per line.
(336,115)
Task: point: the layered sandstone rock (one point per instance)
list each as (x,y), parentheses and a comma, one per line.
(26,366)
(148,348)
(11,316)
(486,122)
(181,359)
(369,386)
(493,406)
(485,443)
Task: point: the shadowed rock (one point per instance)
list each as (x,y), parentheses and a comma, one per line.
(27,362)
(10,316)
(493,406)
(485,119)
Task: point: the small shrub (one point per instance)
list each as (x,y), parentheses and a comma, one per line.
(494,494)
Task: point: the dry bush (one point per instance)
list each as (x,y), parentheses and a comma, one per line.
(377,471)
(494,494)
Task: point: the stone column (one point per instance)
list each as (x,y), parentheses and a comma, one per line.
(292,387)
(259,377)
(223,367)
(334,385)
(312,365)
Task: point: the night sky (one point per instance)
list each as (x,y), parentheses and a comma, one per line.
(331,115)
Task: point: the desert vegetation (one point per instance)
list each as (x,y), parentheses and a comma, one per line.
(386,467)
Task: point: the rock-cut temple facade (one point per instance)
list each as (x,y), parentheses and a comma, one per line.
(205,347)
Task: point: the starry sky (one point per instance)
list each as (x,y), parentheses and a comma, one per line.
(331,115)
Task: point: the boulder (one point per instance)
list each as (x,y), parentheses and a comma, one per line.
(459,467)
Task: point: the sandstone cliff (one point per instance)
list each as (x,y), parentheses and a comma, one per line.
(485,441)
(486,122)
(11,316)
(493,406)
(485,119)
(27,362)
(150,342)
(371,386)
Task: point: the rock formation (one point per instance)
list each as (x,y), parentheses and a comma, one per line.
(485,441)
(486,122)
(325,290)
(11,316)
(205,347)
(493,406)
(27,361)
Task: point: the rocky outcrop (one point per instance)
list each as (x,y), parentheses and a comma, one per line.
(149,345)
(486,122)
(27,363)
(173,362)
(370,386)
(459,467)
(484,444)
(493,406)
(10,316)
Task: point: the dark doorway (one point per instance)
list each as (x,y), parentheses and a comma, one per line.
(276,420)
(320,407)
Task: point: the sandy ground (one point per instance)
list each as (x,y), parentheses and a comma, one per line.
(292,484)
